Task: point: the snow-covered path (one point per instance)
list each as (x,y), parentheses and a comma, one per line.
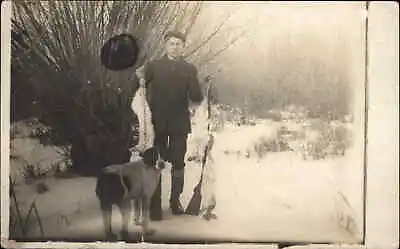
(278,198)
(272,202)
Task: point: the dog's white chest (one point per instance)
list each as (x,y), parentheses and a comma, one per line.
(151,178)
(142,179)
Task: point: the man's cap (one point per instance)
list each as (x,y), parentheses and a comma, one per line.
(175,34)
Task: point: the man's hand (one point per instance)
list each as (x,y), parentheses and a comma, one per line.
(140,72)
(192,111)
(192,108)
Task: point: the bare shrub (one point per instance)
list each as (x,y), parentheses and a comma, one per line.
(323,139)
(312,138)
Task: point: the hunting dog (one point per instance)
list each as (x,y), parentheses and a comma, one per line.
(121,183)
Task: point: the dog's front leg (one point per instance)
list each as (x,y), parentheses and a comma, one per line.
(138,211)
(125,207)
(106,213)
(146,217)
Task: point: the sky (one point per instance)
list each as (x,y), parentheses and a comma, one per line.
(313,27)
(289,39)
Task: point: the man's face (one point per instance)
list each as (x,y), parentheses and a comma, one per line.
(174,47)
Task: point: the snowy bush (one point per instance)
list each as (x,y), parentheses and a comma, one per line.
(321,139)
(288,129)
(30,158)
(266,144)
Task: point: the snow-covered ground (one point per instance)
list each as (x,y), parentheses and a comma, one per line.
(279,197)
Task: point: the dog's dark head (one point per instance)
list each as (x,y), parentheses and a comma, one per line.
(151,157)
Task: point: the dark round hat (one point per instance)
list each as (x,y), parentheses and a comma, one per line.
(175,34)
(119,52)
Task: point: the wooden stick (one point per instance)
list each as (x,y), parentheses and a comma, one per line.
(27,216)
(17,207)
(39,220)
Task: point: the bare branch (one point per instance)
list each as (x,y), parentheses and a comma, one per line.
(224,48)
(208,39)
(194,18)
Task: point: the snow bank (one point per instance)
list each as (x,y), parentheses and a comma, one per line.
(27,152)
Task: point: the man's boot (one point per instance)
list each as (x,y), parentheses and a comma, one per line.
(177,182)
(155,204)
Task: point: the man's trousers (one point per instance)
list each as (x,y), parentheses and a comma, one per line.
(172,148)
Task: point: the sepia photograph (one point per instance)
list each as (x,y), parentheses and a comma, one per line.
(188,122)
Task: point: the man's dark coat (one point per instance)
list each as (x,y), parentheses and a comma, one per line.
(171,86)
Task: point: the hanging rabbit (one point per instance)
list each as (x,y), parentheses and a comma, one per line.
(141,108)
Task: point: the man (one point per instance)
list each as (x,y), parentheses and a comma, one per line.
(172,83)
